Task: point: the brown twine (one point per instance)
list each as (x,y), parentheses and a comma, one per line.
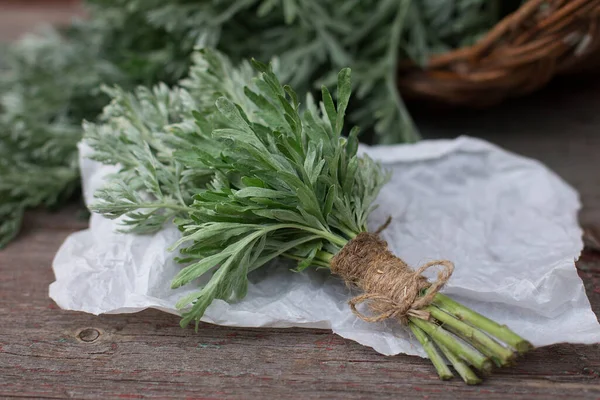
(391,288)
(384,226)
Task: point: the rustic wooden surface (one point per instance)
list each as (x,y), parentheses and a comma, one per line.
(21,16)
(50,353)
(46,352)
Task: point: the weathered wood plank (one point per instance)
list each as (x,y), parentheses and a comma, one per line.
(50,353)
(18,17)
(47,352)
(43,352)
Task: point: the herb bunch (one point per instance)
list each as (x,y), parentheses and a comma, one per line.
(51,82)
(288,184)
(140,132)
(258,177)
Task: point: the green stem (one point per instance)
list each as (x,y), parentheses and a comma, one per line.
(348,232)
(282,251)
(179,208)
(99,208)
(454,344)
(340,241)
(433,353)
(501,332)
(335,239)
(315,262)
(325,256)
(460,366)
(476,338)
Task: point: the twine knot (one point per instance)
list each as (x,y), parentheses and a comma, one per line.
(391,288)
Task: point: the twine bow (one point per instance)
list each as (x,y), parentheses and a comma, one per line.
(410,303)
(391,288)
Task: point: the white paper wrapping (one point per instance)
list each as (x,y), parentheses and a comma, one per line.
(507,222)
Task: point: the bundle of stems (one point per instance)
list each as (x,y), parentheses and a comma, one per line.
(446,329)
(450,331)
(465,338)
(249,176)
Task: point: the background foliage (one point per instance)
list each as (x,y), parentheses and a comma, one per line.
(50,82)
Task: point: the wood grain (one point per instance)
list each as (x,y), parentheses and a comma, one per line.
(50,353)
(18,17)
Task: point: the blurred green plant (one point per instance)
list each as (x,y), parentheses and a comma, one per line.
(51,82)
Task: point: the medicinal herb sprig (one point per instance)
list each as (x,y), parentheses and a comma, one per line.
(140,132)
(285,182)
(291,186)
(288,184)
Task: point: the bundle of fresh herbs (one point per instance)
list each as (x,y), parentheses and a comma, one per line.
(51,81)
(248,175)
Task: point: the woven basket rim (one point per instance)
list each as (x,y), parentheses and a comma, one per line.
(520,54)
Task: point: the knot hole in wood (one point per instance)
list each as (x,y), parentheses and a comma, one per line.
(88,335)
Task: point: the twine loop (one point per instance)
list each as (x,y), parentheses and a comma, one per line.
(390,287)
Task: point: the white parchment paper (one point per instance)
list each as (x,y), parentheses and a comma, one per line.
(508,223)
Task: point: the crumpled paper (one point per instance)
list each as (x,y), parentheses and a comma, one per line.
(507,222)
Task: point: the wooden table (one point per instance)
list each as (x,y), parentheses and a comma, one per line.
(50,353)
(18,17)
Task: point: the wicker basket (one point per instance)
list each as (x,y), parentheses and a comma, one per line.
(520,54)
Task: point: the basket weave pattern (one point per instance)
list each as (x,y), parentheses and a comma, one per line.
(519,55)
